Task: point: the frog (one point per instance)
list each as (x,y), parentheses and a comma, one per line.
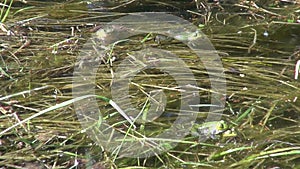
(213,130)
(189,36)
(183,36)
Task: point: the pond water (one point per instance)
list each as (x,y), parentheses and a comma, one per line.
(42,44)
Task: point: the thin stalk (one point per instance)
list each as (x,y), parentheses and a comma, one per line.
(6,12)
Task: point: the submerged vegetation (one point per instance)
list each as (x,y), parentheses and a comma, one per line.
(40,41)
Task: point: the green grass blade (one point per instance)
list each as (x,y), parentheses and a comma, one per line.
(243,115)
(23,9)
(2,9)
(6,12)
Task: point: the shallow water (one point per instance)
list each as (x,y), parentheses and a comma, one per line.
(49,35)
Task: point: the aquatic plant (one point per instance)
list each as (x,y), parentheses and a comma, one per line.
(5,10)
